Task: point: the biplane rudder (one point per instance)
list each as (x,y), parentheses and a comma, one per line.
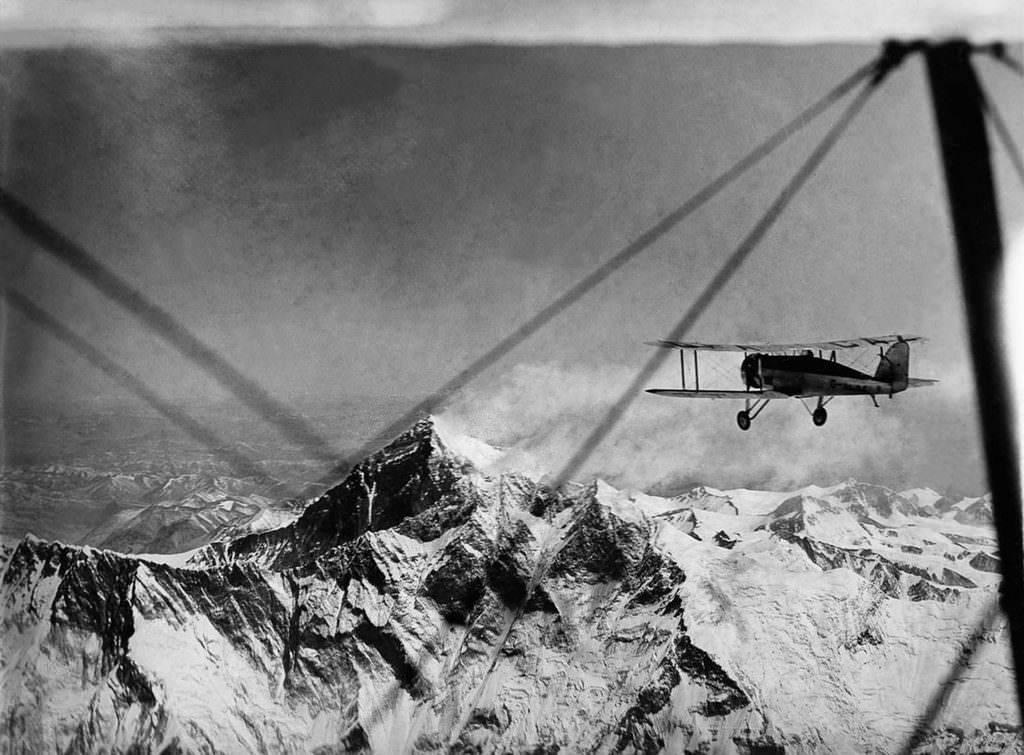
(894,366)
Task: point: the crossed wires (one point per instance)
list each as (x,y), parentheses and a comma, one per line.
(1006,513)
(162,323)
(724,274)
(50,240)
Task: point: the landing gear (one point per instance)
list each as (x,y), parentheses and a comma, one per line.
(743,420)
(818,416)
(750,412)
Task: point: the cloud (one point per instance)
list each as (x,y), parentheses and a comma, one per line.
(662,444)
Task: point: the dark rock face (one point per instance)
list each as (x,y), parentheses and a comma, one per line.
(416,584)
(600,546)
(421,605)
(457,582)
(955,579)
(985,562)
(869,500)
(881,572)
(93,596)
(638,731)
(925,590)
(722,540)
(405,484)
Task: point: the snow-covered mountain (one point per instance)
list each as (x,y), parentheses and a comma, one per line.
(436,600)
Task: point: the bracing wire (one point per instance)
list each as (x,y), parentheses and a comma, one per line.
(162,322)
(1007,60)
(725,273)
(641,243)
(1002,131)
(1006,511)
(999,52)
(256,398)
(1013,64)
(35,314)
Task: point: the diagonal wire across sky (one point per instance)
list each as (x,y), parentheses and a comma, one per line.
(275,413)
(715,286)
(239,462)
(163,323)
(52,241)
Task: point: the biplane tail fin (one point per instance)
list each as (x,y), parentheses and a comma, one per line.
(894,366)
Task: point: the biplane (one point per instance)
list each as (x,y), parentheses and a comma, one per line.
(800,370)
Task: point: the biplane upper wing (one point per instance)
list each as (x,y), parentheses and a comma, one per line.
(686,393)
(844,343)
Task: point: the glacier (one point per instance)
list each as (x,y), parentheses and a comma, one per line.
(443,598)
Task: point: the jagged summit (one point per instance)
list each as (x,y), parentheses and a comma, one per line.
(445,439)
(408,476)
(436,600)
(427,479)
(449,440)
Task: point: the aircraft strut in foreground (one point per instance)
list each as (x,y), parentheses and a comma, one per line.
(800,370)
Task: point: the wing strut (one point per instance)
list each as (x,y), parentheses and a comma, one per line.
(970,188)
(682,366)
(696,372)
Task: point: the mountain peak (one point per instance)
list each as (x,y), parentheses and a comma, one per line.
(448,438)
(427,602)
(430,475)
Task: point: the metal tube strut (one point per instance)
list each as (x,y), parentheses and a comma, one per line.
(963,142)
(759,405)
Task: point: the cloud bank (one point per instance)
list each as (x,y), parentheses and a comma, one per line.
(663,444)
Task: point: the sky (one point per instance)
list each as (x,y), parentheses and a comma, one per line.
(530,21)
(366,218)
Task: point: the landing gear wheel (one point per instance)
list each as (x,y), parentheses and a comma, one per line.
(819,417)
(743,420)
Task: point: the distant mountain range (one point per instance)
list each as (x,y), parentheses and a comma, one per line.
(437,601)
(158,510)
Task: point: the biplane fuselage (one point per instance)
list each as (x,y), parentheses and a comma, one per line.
(776,371)
(809,375)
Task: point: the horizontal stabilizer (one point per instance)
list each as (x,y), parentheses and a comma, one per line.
(920,382)
(844,343)
(684,393)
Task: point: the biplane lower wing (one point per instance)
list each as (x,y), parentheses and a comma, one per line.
(748,395)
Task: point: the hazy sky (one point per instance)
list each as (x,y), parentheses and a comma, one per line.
(351,220)
(550,21)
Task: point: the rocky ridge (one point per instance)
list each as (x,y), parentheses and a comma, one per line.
(428,603)
(162,508)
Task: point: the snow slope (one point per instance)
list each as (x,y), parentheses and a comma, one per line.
(434,602)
